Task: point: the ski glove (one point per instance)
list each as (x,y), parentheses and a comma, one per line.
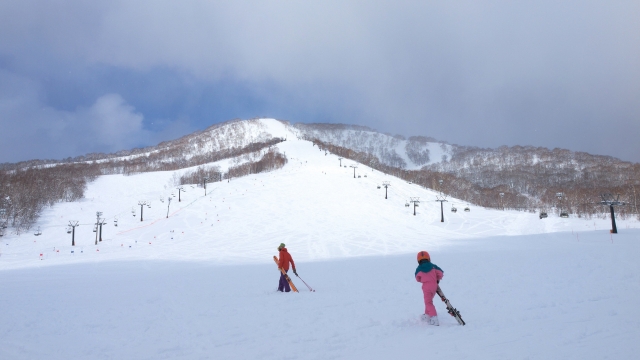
(294,271)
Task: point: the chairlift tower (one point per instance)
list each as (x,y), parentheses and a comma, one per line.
(415,201)
(204,184)
(442,198)
(609,200)
(142,203)
(168,204)
(354,170)
(340,159)
(73,224)
(180,190)
(102,222)
(501,201)
(98,214)
(386,185)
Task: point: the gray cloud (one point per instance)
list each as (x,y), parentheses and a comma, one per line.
(487,73)
(31,129)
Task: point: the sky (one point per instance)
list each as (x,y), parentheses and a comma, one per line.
(78,77)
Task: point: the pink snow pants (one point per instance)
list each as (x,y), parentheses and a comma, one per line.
(429,294)
(429,287)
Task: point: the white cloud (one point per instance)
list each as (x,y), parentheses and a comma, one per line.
(115,123)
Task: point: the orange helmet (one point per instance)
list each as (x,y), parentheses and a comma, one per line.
(423,255)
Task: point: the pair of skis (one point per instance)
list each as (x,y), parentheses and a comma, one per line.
(450,309)
(293,287)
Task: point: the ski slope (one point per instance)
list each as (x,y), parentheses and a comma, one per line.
(201,282)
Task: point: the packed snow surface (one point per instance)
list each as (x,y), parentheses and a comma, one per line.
(201,282)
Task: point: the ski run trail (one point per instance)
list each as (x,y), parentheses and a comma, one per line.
(201,284)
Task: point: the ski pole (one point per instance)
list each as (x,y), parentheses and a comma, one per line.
(310,289)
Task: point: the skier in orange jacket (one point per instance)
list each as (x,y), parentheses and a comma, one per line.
(283,262)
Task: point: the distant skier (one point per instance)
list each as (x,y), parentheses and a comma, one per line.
(283,262)
(429,275)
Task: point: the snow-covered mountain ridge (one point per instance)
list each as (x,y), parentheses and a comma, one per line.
(527,177)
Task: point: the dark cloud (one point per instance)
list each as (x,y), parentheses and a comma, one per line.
(486,73)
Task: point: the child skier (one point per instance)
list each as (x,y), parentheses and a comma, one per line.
(429,275)
(284,260)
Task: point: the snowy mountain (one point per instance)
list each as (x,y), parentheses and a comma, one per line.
(395,151)
(193,277)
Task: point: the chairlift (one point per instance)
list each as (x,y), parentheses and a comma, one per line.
(543,214)
(406,204)
(38,233)
(466,209)
(453,209)
(68,229)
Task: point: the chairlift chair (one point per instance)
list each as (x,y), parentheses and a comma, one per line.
(406,205)
(543,214)
(95,229)
(453,209)
(38,233)
(378,186)
(359,176)
(466,209)
(69,230)
(365,175)
(564,214)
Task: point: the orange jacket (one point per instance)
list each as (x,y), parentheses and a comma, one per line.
(284,260)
